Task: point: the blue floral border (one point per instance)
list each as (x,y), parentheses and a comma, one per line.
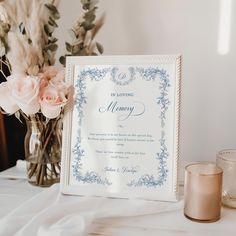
(147,74)
(90,176)
(147,180)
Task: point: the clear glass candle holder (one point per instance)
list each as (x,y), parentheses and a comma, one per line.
(202,192)
(226,159)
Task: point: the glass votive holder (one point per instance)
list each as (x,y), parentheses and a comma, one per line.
(226,159)
(202,192)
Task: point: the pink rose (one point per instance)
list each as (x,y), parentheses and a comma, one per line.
(52,100)
(6,101)
(24,92)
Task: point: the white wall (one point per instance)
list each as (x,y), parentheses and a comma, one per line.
(192,28)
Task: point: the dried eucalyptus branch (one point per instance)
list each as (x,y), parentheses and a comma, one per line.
(51,47)
(84,32)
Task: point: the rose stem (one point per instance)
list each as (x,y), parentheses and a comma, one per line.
(38,172)
(32,169)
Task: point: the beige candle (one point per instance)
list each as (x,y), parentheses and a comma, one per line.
(202,192)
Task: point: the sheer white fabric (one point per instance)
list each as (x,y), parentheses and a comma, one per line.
(30,211)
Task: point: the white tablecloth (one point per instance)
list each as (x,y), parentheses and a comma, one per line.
(26,210)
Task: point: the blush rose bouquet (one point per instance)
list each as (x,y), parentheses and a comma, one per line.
(36,90)
(46,93)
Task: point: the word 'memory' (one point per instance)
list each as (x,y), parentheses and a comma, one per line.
(135,109)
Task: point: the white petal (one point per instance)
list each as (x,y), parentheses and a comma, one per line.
(51,112)
(6,101)
(29,108)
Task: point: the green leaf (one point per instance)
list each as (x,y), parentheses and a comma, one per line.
(50,7)
(52,22)
(75,49)
(89,17)
(62,60)
(55,13)
(87,25)
(51,47)
(86,6)
(53,40)
(100,48)
(89,4)
(22,28)
(68,47)
(48,30)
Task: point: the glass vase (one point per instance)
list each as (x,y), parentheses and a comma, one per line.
(43,151)
(226,159)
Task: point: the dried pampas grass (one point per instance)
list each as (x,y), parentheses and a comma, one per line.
(27,37)
(24,58)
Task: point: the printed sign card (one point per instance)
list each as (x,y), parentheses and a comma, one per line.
(120,135)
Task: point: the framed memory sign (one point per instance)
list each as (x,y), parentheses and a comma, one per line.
(120,133)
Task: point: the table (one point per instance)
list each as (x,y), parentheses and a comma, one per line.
(28,210)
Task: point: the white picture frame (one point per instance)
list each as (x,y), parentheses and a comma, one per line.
(121,129)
